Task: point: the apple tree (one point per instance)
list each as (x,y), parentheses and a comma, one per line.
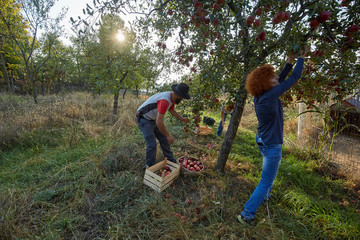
(219,42)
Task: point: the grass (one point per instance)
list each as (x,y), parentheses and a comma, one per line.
(68,170)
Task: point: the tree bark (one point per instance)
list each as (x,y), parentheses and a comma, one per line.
(232,130)
(125,90)
(301,119)
(5,74)
(33,81)
(116,101)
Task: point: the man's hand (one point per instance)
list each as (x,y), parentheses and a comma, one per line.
(170,139)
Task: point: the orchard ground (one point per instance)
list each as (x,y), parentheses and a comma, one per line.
(68,171)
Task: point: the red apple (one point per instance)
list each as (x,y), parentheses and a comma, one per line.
(215,21)
(318,53)
(287,16)
(262,35)
(324,16)
(216,6)
(183,218)
(275,20)
(345,3)
(349,41)
(280,15)
(314,23)
(257,23)
(258,11)
(159,44)
(167,195)
(221,1)
(197,210)
(170,12)
(352,29)
(267,6)
(250,20)
(164,46)
(188,201)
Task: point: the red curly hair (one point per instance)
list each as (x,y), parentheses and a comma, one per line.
(259,80)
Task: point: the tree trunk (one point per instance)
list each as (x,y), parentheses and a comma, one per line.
(137,91)
(59,85)
(301,119)
(125,90)
(116,101)
(231,132)
(5,73)
(33,81)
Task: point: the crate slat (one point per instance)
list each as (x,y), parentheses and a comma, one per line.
(157,182)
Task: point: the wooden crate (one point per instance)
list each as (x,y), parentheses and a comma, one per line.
(157,182)
(204,130)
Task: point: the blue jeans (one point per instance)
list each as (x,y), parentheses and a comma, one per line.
(271,162)
(151,132)
(220,128)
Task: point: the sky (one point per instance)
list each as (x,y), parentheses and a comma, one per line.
(75,9)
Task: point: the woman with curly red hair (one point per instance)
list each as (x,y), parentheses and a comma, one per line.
(267,87)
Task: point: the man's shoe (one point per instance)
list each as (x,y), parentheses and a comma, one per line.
(245,221)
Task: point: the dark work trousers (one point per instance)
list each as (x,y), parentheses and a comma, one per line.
(151,132)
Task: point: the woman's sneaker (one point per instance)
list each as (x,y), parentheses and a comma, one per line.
(245,221)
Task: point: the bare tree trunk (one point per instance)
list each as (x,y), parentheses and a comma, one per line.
(5,73)
(125,90)
(59,86)
(301,120)
(231,132)
(33,81)
(116,101)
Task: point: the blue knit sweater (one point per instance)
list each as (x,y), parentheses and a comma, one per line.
(268,108)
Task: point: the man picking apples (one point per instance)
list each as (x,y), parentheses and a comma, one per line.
(150,116)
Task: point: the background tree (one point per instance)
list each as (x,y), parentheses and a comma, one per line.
(10,64)
(35,15)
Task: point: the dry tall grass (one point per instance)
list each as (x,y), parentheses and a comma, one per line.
(92,115)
